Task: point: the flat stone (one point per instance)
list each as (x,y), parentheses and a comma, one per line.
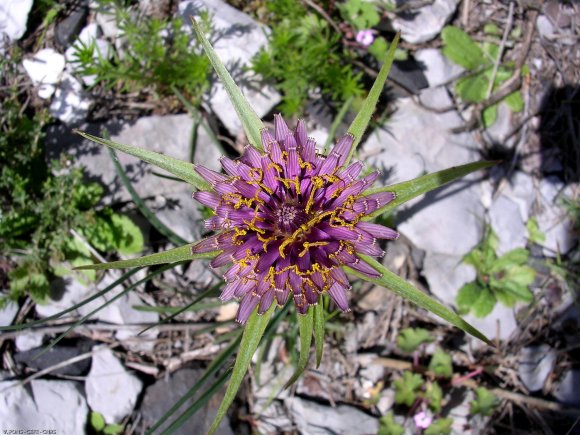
(160,396)
(58,354)
(13,19)
(498,132)
(49,405)
(111,389)
(26,340)
(423,24)
(567,390)
(500,323)
(535,365)
(508,224)
(45,70)
(8,313)
(446,274)
(316,419)
(436,67)
(181,214)
(67,28)
(70,103)
(236,40)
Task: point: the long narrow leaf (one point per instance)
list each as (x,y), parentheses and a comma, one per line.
(339,117)
(183,253)
(306,323)
(319,330)
(402,288)
(179,168)
(410,189)
(250,339)
(148,214)
(360,123)
(251,122)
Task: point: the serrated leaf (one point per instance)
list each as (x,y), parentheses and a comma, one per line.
(319,330)
(489,115)
(250,121)
(434,396)
(411,189)
(306,324)
(182,170)
(409,339)
(401,287)
(515,101)
(387,425)
(183,253)
(441,426)
(407,387)
(378,49)
(485,402)
(472,89)
(461,49)
(441,364)
(484,303)
(251,337)
(361,121)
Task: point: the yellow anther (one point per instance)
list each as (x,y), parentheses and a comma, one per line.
(308,245)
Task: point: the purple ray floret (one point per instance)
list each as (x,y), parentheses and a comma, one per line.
(288,220)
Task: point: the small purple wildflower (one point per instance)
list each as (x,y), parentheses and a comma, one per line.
(422,420)
(365,37)
(288,219)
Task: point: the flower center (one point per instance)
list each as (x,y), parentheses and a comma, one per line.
(289,218)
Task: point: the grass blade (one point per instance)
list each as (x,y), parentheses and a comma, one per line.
(306,323)
(360,123)
(252,123)
(250,339)
(319,330)
(402,288)
(339,117)
(410,189)
(179,168)
(183,253)
(153,220)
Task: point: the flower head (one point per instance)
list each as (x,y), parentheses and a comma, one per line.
(422,420)
(288,219)
(365,37)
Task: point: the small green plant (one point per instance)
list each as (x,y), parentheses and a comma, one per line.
(157,55)
(485,402)
(409,339)
(360,14)
(387,425)
(304,54)
(441,426)
(99,425)
(480,60)
(504,279)
(441,364)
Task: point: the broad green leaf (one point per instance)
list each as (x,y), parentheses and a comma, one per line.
(408,190)
(461,49)
(473,88)
(407,388)
(409,339)
(97,421)
(441,426)
(251,122)
(319,330)
(434,396)
(182,170)
(401,287)
(387,425)
(250,340)
(183,253)
(515,101)
(467,296)
(485,402)
(484,303)
(113,429)
(441,364)
(515,257)
(504,297)
(361,121)
(378,49)
(306,323)
(131,241)
(535,235)
(489,115)
(521,275)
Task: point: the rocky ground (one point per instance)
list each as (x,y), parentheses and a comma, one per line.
(106,366)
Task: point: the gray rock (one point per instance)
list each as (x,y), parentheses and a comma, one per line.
(535,365)
(8,313)
(69,27)
(316,419)
(70,103)
(26,340)
(436,67)
(45,69)
(181,214)
(567,390)
(446,274)
(425,23)
(54,405)
(56,355)
(160,396)
(237,39)
(508,224)
(111,389)
(13,18)
(500,323)
(105,18)
(501,128)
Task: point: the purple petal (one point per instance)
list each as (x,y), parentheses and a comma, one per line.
(308,151)
(269,257)
(364,268)
(210,176)
(311,294)
(267,139)
(351,173)
(300,133)
(245,287)
(342,148)
(338,294)
(378,231)
(301,304)
(338,232)
(281,130)
(229,290)
(209,199)
(371,249)
(251,157)
(247,305)
(266,301)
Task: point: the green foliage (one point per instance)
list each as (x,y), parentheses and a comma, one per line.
(479,59)
(504,279)
(434,396)
(441,364)
(99,425)
(387,425)
(380,47)
(409,339)
(304,54)
(440,426)
(157,55)
(360,14)
(407,388)
(485,402)
(535,235)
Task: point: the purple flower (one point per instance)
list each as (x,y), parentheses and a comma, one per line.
(422,420)
(365,37)
(288,219)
